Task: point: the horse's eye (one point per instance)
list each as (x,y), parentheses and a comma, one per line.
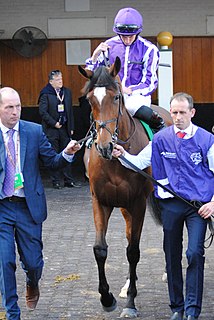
(116,97)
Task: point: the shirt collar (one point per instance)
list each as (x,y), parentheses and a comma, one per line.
(188,130)
(5,129)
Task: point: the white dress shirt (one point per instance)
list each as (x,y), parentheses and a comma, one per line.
(17,192)
(20,192)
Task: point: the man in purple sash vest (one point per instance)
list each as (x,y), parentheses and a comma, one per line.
(22,199)
(182,159)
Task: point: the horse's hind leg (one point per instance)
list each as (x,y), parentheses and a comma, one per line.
(101,217)
(124,289)
(134,225)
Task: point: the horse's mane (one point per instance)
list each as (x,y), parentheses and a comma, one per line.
(101,78)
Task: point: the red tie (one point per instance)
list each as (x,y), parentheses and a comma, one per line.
(180,134)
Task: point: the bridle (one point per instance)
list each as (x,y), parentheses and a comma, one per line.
(104,124)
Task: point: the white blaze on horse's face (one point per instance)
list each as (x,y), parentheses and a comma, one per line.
(99,93)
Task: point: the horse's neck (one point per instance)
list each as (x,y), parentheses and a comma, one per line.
(126,125)
(131,133)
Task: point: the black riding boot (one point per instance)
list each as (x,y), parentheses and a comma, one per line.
(151,117)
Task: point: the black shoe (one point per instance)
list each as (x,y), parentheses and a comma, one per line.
(56,186)
(151,117)
(156,122)
(72,184)
(177,315)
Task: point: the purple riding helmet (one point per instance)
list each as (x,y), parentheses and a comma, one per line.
(127,22)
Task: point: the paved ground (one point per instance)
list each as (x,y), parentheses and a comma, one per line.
(69,283)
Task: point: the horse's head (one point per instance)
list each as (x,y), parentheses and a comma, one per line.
(103,92)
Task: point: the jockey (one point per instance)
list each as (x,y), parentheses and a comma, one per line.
(139,63)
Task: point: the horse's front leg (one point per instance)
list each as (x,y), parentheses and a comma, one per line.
(101,217)
(134,225)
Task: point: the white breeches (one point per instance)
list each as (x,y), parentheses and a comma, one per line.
(135,101)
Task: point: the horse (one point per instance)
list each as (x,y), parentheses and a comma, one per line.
(111,184)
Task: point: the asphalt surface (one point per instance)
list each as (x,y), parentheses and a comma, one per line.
(69,283)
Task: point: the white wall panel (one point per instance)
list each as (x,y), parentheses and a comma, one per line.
(77,51)
(76,27)
(210,25)
(74,5)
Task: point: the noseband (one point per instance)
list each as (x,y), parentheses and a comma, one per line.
(103,125)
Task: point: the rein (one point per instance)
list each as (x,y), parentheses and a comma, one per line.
(193,203)
(129,138)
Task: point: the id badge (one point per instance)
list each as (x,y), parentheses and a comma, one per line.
(18,183)
(61,107)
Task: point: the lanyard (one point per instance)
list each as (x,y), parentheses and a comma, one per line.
(58,96)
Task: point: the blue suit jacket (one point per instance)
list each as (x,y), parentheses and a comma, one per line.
(33,146)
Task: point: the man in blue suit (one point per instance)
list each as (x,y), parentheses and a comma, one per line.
(22,203)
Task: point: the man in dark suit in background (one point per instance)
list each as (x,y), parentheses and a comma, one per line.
(22,199)
(55,108)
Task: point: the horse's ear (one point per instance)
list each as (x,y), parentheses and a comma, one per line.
(115,68)
(85,72)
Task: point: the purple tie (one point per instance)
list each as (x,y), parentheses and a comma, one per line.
(8,186)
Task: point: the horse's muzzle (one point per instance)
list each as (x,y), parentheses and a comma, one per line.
(105,151)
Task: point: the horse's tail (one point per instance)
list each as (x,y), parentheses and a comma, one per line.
(155,208)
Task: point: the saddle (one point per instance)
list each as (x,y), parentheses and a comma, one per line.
(148,130)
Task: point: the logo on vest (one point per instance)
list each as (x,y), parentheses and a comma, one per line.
(170,155)
(196,157)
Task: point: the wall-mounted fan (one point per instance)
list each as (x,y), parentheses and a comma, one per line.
(29,41)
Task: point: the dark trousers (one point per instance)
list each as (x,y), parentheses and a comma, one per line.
(59,139)
(175,214)
(16,224)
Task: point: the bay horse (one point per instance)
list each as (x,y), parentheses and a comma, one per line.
(111,184)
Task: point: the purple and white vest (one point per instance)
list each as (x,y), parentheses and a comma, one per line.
(182,166)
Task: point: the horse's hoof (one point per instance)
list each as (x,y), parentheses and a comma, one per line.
(111,308)
(129,313)
(113,305)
